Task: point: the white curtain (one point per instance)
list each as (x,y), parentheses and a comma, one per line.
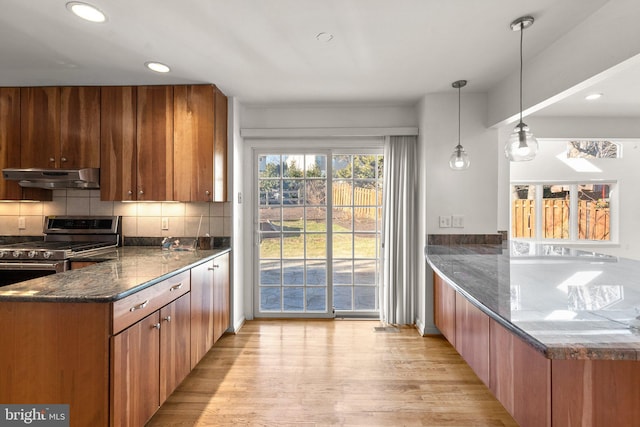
(397,305)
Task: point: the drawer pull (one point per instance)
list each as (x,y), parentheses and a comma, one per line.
(157,326)
(214,266)
(175,287)
(167,319)
(139,306)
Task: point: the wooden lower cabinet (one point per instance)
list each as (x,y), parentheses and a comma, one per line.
(520,378)
(221,302)
(210,305)
(594,393)
(445,308)
(175,345)
(201,311)
(149,360)
(472,337)
(135,373)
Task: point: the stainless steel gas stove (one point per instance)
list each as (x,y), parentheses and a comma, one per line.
(65,237)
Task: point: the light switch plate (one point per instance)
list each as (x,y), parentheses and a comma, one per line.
(445,221)
(22,223)
(457,221)
(165,223)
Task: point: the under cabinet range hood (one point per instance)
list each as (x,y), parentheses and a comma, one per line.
(87,178)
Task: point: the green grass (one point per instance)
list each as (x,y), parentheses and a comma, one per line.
(365,246)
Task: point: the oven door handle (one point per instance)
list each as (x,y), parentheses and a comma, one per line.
(33,266)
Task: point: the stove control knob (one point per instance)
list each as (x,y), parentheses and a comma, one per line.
(32,254)
(17,254)
(47,254)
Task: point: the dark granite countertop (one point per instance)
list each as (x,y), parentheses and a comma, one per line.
(567,303)
(118,274)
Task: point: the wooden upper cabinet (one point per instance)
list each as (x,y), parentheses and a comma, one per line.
(163,143)
(10,140)
(40,127)
(154,143)
(193,142)
(118,164)
(60,127)
(79,127)
(220,149)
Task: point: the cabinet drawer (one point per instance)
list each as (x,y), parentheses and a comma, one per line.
(129,310)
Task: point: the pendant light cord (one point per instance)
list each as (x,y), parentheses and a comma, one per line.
(521,65)
(458,118)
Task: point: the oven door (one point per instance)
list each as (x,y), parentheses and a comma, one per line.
(18,271)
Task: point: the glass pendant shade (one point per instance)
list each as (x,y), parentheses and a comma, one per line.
(459,160)
(521,145)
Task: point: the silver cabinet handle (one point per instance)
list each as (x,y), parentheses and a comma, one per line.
(63,159)
(157,325)
(139,306)
(207,192)
(51,159)
(167,319)
(175,287)
(141,192)
(214,267)
(130,192)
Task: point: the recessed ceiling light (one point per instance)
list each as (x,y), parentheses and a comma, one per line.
(86,11)
(593,96)
(158,67)
(324,37)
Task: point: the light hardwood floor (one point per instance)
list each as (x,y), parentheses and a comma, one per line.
(331,372)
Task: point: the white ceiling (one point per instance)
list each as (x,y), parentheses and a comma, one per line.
(265,51)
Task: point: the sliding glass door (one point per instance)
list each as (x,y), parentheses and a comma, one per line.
(317,233)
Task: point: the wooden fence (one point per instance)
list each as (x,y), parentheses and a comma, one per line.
(365,200)
(593,221)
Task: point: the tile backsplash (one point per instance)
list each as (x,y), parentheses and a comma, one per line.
(139,219)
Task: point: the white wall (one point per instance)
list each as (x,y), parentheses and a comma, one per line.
(472,193)
(237,196)
(546,166)
(330,116)
(300,116)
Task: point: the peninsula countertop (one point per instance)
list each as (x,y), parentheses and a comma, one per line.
(119,273)
(566,302)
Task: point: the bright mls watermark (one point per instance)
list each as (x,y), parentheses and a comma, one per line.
(34,415)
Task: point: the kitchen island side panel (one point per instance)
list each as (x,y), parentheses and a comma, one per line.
(56,353)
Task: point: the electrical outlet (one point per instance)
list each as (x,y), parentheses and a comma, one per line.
(445,221)
(457,221)
(22,223)
(165,223)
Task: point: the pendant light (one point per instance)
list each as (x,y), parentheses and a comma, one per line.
(521,145)
(459,160)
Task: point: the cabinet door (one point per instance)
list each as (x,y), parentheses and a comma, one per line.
(220,149)
(175,340)
(135,371)
(444,308)
(472,337)
(154,139)
(79,127)
(201,311)
(521,378)
(193,140)
(10,140)
(221,307)
(40,127)
(118,143)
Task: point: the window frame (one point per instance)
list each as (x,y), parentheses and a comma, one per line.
(614,212)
